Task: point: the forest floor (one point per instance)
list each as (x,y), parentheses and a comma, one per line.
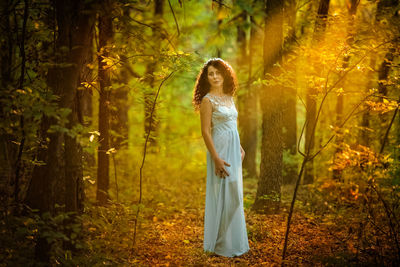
(177,239)
(178,242)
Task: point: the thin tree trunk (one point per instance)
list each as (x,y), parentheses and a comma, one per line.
(105,40)
(386,9)
(244,92)
(7,149)
(290,95)
(85,98)
(364,134)
(268,197)
(119,115)
(352,9)
(397,149)
(219,22)
(151,122)
(250,123)
(383,7)
(18,163)
(319,29)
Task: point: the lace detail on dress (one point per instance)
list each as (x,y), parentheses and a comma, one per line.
(225,100)
(223,109)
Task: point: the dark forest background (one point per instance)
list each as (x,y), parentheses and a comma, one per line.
(101,154)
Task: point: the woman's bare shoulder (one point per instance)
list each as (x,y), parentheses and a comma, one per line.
(206,100)
(205,104)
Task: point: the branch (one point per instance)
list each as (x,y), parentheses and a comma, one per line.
(307,154)
(144,156)
(220,2)
(340,126)
(388,129)
(173,13)
(301,135)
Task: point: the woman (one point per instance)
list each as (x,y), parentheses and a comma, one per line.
(224,222)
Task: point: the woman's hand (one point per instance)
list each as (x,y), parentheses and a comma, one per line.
(220,167)
(242,152)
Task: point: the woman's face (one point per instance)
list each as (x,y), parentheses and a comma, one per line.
(215,77)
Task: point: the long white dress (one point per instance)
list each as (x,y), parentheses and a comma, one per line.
(225,230)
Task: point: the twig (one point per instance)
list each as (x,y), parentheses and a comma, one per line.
(340,126)
(173,13)
(388,214)
(301,135)
(115,174)
(388,129)
(220,2)
(307,156)
(144,157)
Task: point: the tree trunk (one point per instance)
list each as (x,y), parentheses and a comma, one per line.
(150,122)
(48,185)
(219,22)
(383,7)
(364,134)
(243,94)
(352,9)
(73,165)
(290,96)
(119,98)
(105,41)
(311,103)
(8,150)
(119,115)
(249,123)
(383,74)
(85,98)
(397,149)
(386,9)
(268,197)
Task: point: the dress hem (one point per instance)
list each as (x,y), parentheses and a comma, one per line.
(231,255)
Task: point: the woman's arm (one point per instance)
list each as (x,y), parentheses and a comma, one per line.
(205,116)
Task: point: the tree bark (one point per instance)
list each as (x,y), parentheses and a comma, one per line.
(119,115)
(103,165)
(364,134)
(48,185)
(85,99)
(290,96)
(151,122)
(268,197)
(73,165)
(8,149)
(219,22)
(383,7)
(386,9)
(249,135)
(311,102)
(352,9)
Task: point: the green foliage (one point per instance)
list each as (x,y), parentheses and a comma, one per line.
(290,161)
(20,234)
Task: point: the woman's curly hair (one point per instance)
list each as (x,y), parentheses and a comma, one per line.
(202,86)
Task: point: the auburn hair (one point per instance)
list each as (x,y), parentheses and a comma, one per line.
(202,86)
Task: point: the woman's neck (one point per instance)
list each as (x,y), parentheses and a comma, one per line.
(216,91)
